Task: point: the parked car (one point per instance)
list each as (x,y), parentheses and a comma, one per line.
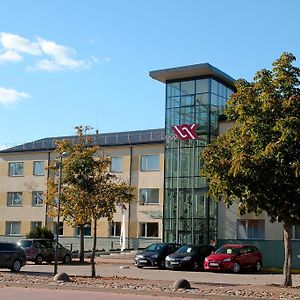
(231,257)
(155,254)
(189,257)
(39,250)
(12,256)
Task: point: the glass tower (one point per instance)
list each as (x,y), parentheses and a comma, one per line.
(194,95)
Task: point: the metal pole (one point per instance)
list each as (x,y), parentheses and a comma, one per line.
(177,192)
(58,214)
(193,190)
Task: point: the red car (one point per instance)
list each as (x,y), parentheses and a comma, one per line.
(231,257)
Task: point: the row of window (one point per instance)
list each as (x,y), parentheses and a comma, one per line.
(146,229)
(148,196)
(17,168)
(246,229)
(148,163)
(16,198)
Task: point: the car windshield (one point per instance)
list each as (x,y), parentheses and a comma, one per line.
(228,250)
(187,249)
(155,247)
(25,244)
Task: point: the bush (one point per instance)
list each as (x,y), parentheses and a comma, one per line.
(40,232)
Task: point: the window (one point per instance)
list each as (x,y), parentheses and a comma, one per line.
(60,228)
(115,228)
(37,198)
(150,163)
(149,196)
(38,168)
(149,230)
(116,164)
(36,224)
(296,232)
(16,169)
(13,228)
(14,199)
(251,229)
(86,230)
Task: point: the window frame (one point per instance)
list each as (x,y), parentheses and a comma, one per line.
(248,228)
(10,168)
(114,229)
(77,230)
(34,169)
(12,203)
(293,232)
(60,228)
(36,224)
(8,228)
(145,168)
(146,229)
(33,202)
(148,191)
(121,164)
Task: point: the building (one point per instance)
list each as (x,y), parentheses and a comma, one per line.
(171,202)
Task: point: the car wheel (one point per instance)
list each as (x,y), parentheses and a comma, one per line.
(16,266)
(162,264)
(258,266)
(39,260)
(236,267)
(196,266)
(67,259)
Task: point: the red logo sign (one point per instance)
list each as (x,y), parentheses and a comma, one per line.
(186,132)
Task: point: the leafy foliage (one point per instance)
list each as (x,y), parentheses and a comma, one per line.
(40,232)
(257,162)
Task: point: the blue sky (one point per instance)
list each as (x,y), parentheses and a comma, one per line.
(65,63)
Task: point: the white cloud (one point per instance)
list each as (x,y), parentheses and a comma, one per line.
(9,96)
(17,43)
(10,56)
(53,57)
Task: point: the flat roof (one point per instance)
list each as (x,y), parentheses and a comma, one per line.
(165,75)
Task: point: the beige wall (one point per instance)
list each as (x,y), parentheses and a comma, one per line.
(29,183)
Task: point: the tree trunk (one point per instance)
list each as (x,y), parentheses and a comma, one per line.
(81,251)
(287,272)
(94,248)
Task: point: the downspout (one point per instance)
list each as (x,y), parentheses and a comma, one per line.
(129,206)
(48,175)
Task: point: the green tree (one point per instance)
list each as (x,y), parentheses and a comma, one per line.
(257,162)
(89,191)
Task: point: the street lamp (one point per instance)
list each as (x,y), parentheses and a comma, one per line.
(61,155)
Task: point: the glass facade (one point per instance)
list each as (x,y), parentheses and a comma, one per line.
(189,215)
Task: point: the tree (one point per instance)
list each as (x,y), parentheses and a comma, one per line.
(257,162)
(89,191)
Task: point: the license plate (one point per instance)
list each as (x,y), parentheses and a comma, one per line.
(143,261)
(214,264)
(174,263)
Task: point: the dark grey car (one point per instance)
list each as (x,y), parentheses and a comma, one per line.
(39,250)
(12,256)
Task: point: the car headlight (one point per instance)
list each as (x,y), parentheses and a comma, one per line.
(227,259)
(187,258)
(205,259)
(168,258)
(139,256)
(154,256)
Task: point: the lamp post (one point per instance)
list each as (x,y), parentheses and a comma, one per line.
(63,154)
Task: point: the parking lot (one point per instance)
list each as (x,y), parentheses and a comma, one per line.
(124,267)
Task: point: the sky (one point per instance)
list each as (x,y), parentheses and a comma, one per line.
(65,63)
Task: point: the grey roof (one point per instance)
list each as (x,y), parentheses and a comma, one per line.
(191,71)
(150,136)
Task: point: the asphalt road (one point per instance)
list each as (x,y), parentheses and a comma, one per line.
(15,293)
(127,269)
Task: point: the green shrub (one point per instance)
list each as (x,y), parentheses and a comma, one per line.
(40,232)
